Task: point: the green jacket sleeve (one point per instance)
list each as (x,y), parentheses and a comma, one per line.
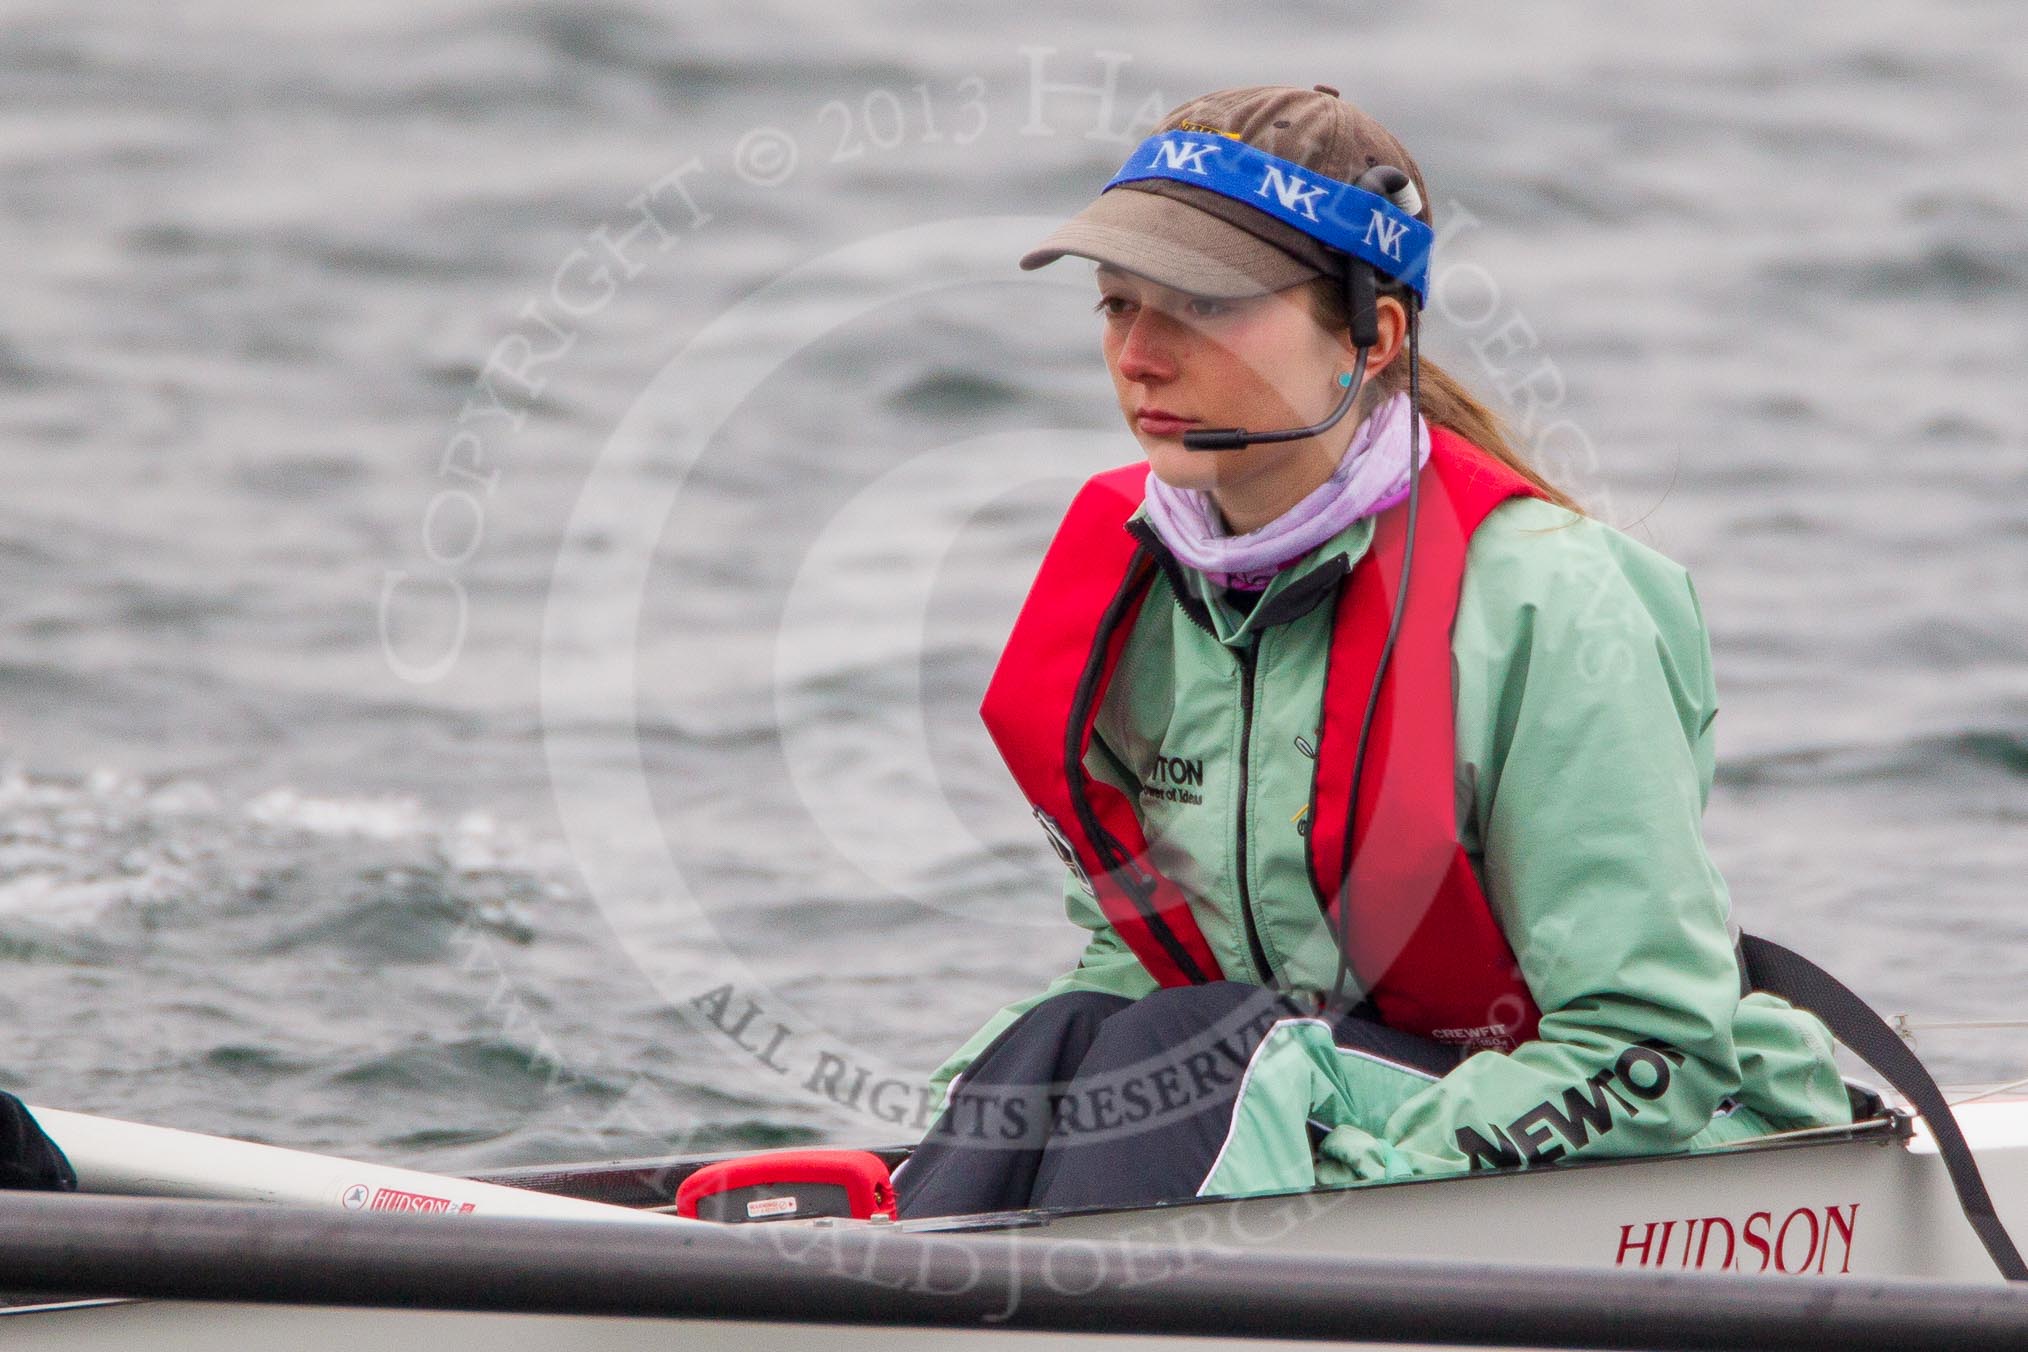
(1585,702)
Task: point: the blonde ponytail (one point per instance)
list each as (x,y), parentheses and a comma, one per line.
(1445,400)
(1447,403)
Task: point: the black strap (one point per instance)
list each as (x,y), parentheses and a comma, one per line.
(1774,969)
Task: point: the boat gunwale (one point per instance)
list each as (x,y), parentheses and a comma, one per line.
(651,1182)
(1893,1126)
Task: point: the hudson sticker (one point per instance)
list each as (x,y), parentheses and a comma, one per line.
(394,1199)
(1816,1240)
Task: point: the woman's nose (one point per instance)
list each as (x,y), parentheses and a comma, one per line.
(1148,351)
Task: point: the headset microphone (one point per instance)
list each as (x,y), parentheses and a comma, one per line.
(1232,438)
(1362,309)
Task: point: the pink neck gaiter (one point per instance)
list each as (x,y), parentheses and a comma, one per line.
(1372,477)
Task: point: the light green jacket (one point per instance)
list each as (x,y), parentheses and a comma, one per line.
(1584,700)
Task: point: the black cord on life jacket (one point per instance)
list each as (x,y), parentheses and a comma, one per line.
(1336,1000)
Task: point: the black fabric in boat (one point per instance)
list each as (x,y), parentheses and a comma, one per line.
(28,1158)
(1093,1100)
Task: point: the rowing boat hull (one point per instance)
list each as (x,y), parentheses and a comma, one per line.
(1871,1202)
(1829,1213)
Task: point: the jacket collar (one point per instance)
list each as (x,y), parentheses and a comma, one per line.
(1294,592)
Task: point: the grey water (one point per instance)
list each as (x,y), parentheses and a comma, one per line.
(510,507)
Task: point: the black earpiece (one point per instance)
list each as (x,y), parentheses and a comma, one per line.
(1361,285)
(1394,184)
(1362,304)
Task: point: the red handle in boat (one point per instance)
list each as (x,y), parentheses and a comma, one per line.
(780,1184)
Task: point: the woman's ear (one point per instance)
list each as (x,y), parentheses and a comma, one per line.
(1393,324)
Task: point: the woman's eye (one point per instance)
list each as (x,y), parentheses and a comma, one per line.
(1199,307)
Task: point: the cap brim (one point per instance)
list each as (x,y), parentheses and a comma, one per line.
(1172,243)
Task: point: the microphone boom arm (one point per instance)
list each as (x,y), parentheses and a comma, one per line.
(1233,438)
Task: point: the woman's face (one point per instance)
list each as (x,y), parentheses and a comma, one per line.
(1180,361)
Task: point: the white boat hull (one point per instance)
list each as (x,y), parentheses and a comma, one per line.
(1835,1210)
(130,1159)
(1816,1203)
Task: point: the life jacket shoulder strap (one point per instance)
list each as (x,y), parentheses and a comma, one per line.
(1042,705)
(1422,938)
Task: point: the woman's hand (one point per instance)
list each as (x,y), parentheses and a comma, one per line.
(1350,1154)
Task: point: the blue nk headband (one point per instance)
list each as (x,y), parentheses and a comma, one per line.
(1341,215)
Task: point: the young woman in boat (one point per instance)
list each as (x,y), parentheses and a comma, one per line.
(1380,788)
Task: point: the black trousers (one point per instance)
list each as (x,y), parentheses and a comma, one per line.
(1091,1100)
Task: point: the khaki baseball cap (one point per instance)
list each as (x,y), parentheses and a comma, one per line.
(1204,243)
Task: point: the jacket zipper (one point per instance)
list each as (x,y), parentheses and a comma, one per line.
(1248,656)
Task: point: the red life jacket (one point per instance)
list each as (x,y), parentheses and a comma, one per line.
(1424,944)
